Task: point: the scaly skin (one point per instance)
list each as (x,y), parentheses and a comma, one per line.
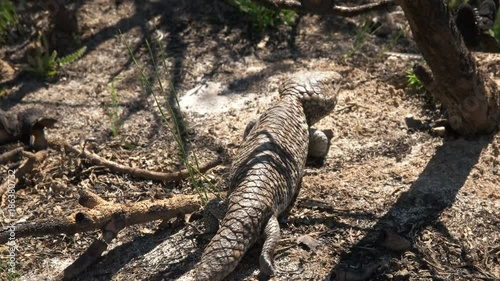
(265,178)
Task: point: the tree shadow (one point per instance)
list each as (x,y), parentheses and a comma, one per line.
(418,208)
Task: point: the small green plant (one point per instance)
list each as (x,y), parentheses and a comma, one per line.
(6,271)
(453,4)
(177,123)
(8,16)
(412,80)
(45,64)
(114,114)
(261,16)
(388,47)
(362,33)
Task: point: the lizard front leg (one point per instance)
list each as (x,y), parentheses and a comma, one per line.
(319,143)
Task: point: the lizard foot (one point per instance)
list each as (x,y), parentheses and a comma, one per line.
(319,143)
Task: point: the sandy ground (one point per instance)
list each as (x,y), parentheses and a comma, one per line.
(439,193)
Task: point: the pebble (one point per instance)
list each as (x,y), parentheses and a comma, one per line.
(439,131)
(411,122)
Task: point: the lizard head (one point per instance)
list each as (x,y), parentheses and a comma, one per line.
(317,91)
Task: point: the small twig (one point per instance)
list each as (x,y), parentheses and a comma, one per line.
(140,173)
(436,266)
(358,10)
(281,250)
(23,170)
(350,105)
(318,7)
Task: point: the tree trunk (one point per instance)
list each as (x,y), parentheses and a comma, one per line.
(471,97)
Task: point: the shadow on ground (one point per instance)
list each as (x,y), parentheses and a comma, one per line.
(418,208)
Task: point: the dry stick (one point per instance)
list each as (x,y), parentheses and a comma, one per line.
(102,213)
(117,217)
(24,169)
(325,6)
(140,173)
(11,155)
(95,250)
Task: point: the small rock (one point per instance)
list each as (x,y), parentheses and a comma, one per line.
(439,131)
(6,71)
(309,242)
(412,123)
(403,274)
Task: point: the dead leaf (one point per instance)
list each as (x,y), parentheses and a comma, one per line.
(309,242)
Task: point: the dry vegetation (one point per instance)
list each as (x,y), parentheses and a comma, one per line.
(387,174)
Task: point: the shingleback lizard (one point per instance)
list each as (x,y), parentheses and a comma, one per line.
(264,180)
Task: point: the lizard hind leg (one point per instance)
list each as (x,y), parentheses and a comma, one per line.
(271,239)
(213,213)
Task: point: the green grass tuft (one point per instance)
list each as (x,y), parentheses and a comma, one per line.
(261,16)
(197,179)
(8,16)
(362,33)
(412,81)
(6,271)
(114,114)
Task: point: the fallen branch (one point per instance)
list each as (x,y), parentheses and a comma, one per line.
(111,218)
(136,172)
(102,212)
(11,155)
(23,170)
(325,7)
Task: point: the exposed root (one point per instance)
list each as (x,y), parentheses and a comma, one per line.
(136,172)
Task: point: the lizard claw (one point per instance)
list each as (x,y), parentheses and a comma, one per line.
(265,265)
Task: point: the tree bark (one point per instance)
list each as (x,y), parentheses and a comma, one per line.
(471,97)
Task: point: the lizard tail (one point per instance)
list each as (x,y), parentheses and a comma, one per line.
(239,229)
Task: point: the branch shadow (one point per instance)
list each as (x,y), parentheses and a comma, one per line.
(418,208)
(162,243)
